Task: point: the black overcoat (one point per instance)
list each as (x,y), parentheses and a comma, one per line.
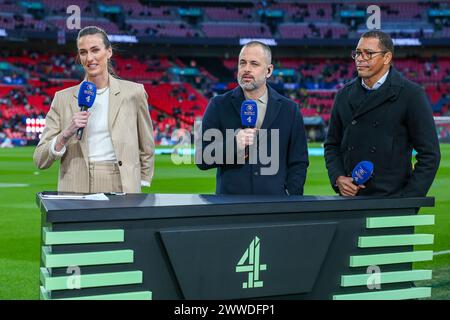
(223,112)
(384,126)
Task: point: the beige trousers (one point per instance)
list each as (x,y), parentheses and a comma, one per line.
(104,177)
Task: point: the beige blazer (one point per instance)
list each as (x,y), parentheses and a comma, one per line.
(131,132)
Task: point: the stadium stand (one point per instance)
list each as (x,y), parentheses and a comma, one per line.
(179,86)
(280,19)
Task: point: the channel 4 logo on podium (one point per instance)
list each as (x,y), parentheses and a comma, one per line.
(250,262)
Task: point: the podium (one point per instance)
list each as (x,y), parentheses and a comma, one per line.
(183,246)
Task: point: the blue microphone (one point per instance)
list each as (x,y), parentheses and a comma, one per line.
(86,98)
(362,172)
(249,114)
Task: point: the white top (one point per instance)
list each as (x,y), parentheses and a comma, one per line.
(378,84)
(99,139)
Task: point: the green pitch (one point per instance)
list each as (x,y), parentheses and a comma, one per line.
(20,218)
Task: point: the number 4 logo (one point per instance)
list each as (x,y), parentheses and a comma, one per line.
(251,255)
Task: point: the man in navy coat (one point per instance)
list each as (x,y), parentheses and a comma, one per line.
(381,117)
(279,133)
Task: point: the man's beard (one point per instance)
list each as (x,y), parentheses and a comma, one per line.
(250,86)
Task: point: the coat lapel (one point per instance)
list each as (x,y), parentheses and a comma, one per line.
(273,108)
(363,103)
(374,100)
(357,96)
(114,101)
(237,98)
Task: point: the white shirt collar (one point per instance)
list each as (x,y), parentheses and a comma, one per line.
(378,84)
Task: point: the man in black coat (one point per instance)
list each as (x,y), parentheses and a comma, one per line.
(279,134)
(381,117)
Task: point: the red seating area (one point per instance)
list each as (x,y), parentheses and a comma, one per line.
(36,102)
(169,97)
(228,14)
(436,90)
(317,12)
(51,87)
(139,17)
(128,68)
(325,99)
(425,70)
(177,105)
(10,7)
(60,7)
(161,28)
(403,11)
(169,124)
(135,10)
(330,70)
(17,21)
(140,70)
(429,72)
(308,12)
(163,19)
(235,30)
(303,30)
(61,24)
(13,134)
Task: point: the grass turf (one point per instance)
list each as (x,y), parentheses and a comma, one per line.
(20,218)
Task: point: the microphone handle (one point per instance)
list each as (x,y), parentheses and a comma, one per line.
(246,151)
(80,130)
